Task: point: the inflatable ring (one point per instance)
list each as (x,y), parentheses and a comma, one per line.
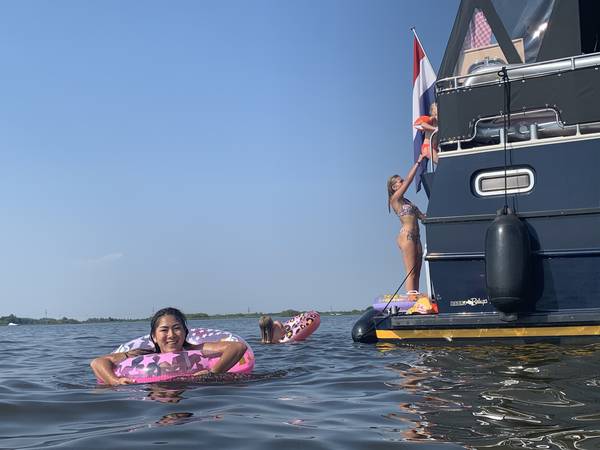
(301,326)
(402,301)
(155,367)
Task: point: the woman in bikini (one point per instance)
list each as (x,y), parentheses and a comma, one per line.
(409,239)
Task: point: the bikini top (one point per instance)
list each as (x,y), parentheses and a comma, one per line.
(407,209)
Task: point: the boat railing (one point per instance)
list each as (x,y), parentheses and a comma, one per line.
(435,148)
(527,133)
(527,124)
(489,73)
(534,133)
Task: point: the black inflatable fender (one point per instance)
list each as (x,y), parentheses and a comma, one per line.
(508,262)
(364,328)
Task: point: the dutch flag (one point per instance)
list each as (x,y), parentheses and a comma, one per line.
(423,96)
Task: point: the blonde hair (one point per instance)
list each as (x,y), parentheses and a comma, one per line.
(433,105)
(266,329)
(390,183)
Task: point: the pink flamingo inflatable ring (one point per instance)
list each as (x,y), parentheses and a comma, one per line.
(158,367)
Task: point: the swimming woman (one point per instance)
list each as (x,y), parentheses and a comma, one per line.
(409,239)
(168,331)
(271,331)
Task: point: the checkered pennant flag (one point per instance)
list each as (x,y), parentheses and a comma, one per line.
(480,33)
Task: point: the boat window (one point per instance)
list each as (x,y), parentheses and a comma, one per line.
(480,51)
(589,10)
(526,23)
(515,181)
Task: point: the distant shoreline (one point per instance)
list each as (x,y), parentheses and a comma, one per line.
(14,320)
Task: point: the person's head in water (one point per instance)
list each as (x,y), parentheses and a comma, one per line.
(266,329)
(168,330)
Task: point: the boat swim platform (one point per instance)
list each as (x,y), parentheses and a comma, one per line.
(564,326)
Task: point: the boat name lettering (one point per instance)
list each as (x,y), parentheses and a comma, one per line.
(473,301)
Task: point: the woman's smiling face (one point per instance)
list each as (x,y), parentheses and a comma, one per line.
(169,334)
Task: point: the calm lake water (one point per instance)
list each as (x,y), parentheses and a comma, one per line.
(325,393)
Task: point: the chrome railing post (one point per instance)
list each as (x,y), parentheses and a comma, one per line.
(533,132)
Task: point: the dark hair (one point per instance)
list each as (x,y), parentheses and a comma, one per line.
(266,329)
(168,312)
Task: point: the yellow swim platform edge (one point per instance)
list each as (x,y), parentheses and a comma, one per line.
(564,326)
(449,334)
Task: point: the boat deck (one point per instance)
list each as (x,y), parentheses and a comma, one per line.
(573,325)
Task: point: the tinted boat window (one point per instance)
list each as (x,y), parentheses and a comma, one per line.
(589,11)
(480,50)
(525,21)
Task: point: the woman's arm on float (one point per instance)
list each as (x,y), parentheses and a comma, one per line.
(231,352)
(409,178)
(104,366)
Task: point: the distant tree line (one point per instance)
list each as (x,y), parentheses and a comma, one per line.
(5,320)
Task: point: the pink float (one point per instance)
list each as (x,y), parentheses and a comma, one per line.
(156,367)
(301,326)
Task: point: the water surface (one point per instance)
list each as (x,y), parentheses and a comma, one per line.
(325,393)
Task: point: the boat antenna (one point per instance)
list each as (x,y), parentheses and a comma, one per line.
(506,124)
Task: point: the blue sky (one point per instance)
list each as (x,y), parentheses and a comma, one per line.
(217,156)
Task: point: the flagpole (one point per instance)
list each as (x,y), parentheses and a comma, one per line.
(430,288)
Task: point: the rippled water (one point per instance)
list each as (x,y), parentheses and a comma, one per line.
(325,393)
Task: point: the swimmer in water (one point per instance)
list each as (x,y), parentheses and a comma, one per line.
(168,331)
(271,332)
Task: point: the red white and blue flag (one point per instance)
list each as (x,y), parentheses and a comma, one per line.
(422,97)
